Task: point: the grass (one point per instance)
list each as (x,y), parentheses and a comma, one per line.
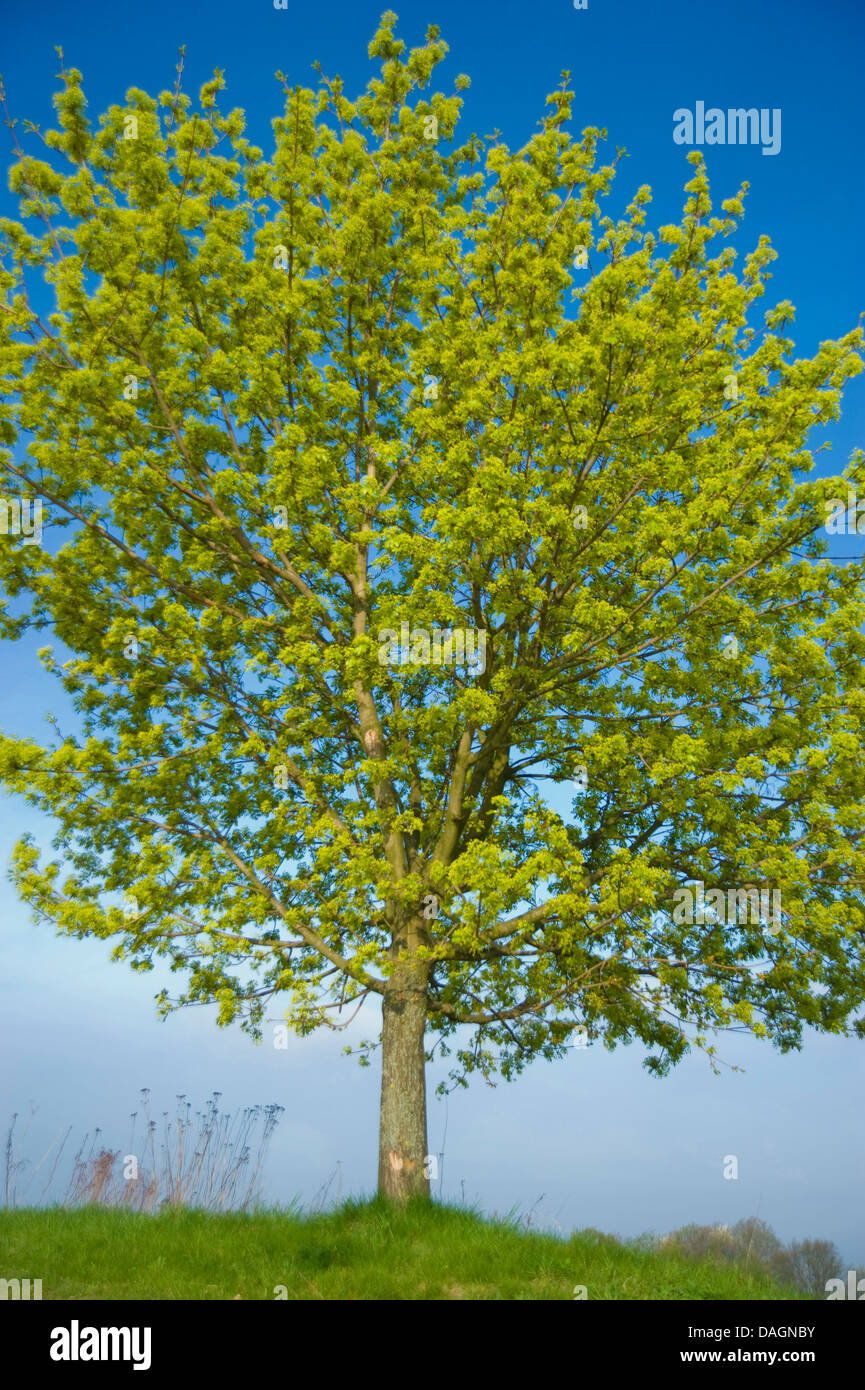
(362,1250)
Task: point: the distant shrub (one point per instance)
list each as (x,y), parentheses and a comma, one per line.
(804,1264)
(808,1264)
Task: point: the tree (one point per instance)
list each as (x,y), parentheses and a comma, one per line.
(371,509)
(755,1241)
(809,1265)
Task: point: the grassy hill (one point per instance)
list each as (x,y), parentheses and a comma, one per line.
(363,1250)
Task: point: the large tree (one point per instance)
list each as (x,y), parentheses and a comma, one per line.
(286,416)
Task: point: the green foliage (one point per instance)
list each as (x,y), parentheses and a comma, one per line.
(223,411)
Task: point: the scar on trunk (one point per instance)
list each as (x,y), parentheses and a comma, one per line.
(397,1162)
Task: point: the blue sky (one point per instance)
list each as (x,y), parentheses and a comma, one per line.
(596,1139)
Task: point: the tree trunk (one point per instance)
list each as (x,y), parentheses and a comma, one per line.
(402,1130)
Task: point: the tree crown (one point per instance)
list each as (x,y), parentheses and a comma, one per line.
(291,417)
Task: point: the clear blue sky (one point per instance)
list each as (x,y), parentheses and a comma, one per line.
(605,1145)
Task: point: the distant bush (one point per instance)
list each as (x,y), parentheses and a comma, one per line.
(804,1264)
(808,1264)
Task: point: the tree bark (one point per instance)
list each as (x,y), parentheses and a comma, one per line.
(402,1130)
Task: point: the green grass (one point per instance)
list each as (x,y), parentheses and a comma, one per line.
(364,1250)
